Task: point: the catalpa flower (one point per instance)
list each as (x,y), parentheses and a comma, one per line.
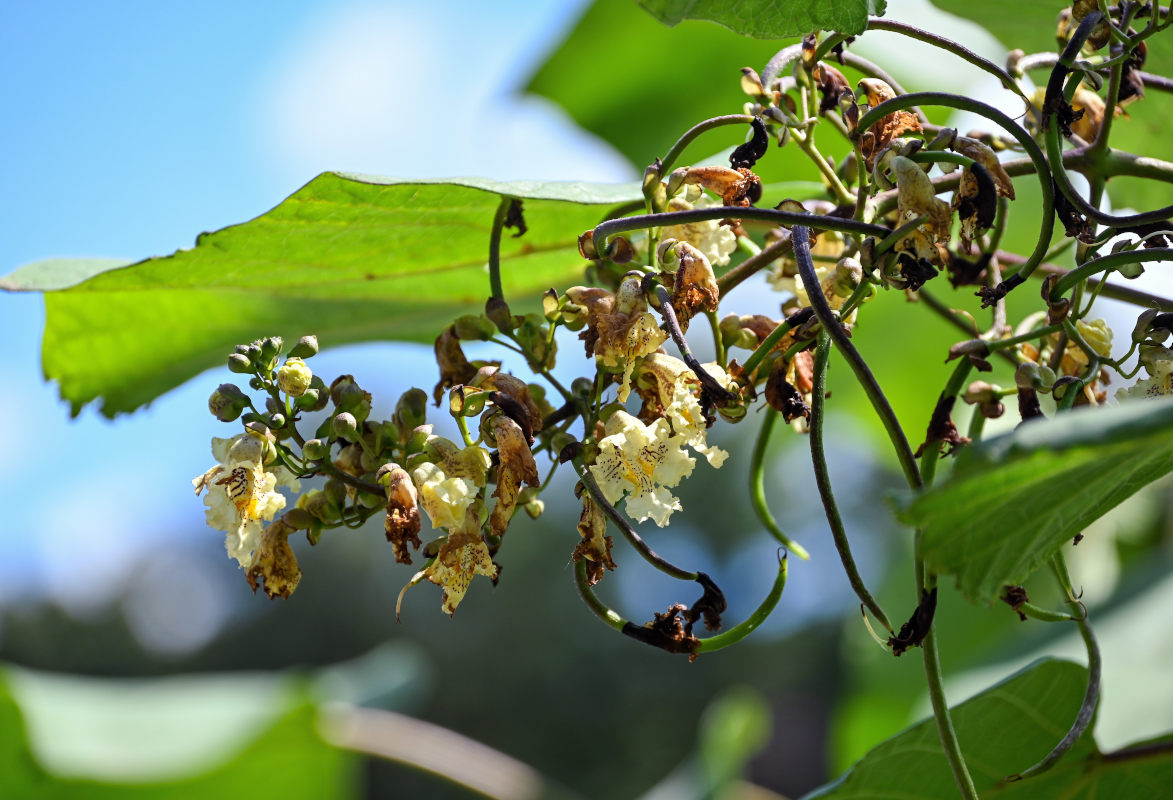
(643,461)
(461,557)
(716,241)
(629,333)
(241,493)
(1158,362)
(676,398)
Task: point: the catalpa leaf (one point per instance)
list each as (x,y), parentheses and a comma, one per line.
(1013,500)
(770,19)
(348,257)
(1002,731)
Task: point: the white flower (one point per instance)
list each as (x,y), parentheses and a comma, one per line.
(677,390)
(444,498)
(241,493)
(684,412)
(644,461)
(712,238)
(1158,384)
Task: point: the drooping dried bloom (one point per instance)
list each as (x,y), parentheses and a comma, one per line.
(461,557)
(874,141)
(983,155)
(516,465)
(629,333)
(976,203)
(595,547)
(455,369)
(274,562)
(695,288)
(402,523)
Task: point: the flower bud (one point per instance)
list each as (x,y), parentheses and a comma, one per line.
(316,450)
(306,347)
(550,305)
(227,402)
(1030,375)
(464,401)
(1141,331)
(474,328)
(345,426)
(412,409)
(300,518)
(318,504)
(497,310)
(276,421)
(239,363)
(847,277)
(294,377)
(676,180)
(270,348)
(666,255)
(620,250)
(418,438)
(335,491)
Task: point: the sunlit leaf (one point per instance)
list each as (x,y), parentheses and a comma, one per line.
(770,19)
(351,258)
(1014,500)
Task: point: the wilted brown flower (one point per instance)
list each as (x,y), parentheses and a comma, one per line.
(516,465)
(595,547)
(695,287)
(274,562)
(874,141)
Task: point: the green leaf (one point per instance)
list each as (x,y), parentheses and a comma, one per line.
(283,758)
(652,83)
(1013,500)
(1031,27)
(770,19)
(1003,730)
(350,258)
(734,729)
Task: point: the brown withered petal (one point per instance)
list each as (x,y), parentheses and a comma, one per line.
(455,369)
(710,606)
(982,154)
(942,433)
(1075,224)
(913,632)
(666,632)
(517,390)
(275,563)
(832,84)
(762,326)
(1131,84)
(744,156)
(402,523)
(736,187)
(963,272)
(1100,34)
(695,287)
(517,465)
(804,371)
(598,303)
(915,271)
(976,203)
(595,547)
(515,219)
(783,397)
(889,127)
(1028,405)
(1015,596)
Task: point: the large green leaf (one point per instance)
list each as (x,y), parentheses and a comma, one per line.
(348,257)
(659,82)
(287,759)
(1013,500)
(770,19)
(1002,731)
(1031,27)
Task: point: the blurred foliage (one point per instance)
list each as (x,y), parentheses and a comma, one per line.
(770,19)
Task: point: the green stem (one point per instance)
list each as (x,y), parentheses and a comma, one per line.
(592,600)
(767,344)
(806,145)
(757,489)
(806,269)
(1105,263)
(695,131)
(718,339)
(937,156)
(1037,333)
(823,480)
(944,722)
(747,626)
(1091,696)
(495,289)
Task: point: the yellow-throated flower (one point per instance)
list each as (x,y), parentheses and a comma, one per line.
(643,461)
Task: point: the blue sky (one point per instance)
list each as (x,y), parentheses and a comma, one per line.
(132,127)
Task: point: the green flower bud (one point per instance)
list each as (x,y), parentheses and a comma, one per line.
(227,402)
(368,500)
(666,255)
(335,490)
(240,364)
(276,421)
(294,377)
(412,409)
(271,347)
(418,438)
(847,277)
(308,400)
(582,387)
(256,384)
(534,508)
(300,518)
(345,426)
(306,347)
(550,305)
(1141,331)
(474,328)
(316,450)
(466,402)
(676,180)
(320,505)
